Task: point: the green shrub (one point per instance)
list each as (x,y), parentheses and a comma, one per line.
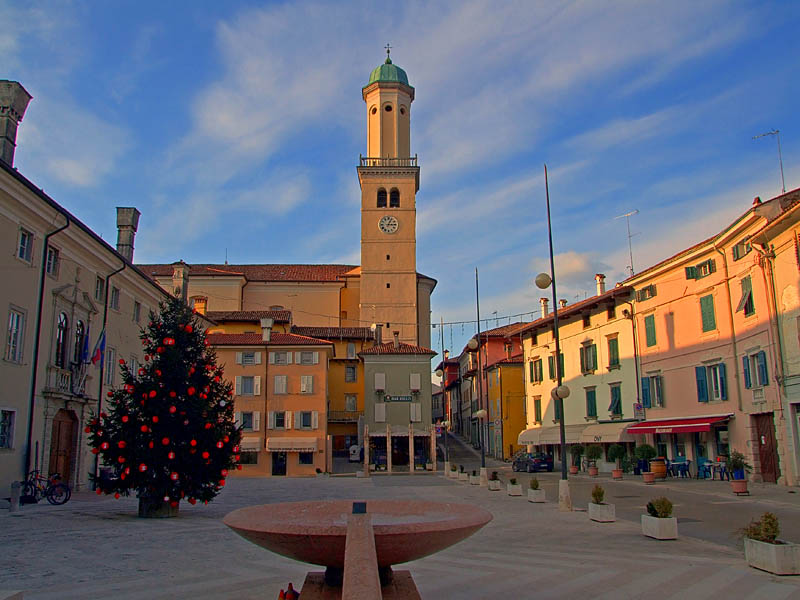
(534,483)
(645,452)
(616,452)
(765,529)
(659,507)
(453,468)
(576,450)
(461,468)
(513,481)
(736,462)
(474,473)
(598,494)
(594,451)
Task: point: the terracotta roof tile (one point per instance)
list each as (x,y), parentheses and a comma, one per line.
(255,339)
(279,316)
(257,272)
(329,333)
(388,348)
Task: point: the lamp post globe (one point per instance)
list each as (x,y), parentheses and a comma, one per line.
(472,344)
(562,392)
(543,281)
(439,372)
(480,414)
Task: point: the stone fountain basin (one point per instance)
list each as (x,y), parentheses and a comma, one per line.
(315,532)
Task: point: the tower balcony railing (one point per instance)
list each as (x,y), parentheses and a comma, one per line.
(378,161)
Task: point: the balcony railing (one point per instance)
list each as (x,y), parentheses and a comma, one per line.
(66,381)
(377,161)
(344,416)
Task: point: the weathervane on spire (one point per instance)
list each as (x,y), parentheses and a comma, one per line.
(388,58)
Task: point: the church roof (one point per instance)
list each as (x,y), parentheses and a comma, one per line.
(250,316)
(257,272)
(388,72)
(256,339)
(402,348)
(328,333)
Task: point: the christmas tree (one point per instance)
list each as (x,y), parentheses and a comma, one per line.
(168,433)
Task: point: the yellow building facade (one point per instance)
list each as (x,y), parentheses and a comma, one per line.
(506,394)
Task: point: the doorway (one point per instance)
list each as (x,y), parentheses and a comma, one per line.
(62,443)
(279,463)
(767,450)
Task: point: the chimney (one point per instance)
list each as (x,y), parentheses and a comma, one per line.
(266,329)
(396,342)
(13,103)
(127,224)
(446,354)
(543,302)
(756,200)
(180,280)
(601,283)
(562,303)
(378,334)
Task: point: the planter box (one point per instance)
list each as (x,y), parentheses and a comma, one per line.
(474,479)
(649,477)
(602,513)
(739,487)
(463,476)
(452,474)
(514,490)
(616,474)
(593,471)
(429,466)
(780,559)
(536,496)
(494,485)
(573,470)
(660,529)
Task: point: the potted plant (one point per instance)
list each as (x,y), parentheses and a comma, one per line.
(763,550)
(598,510)
(462,474)
(738,468)
(616,452)
(453,472)
(474,479)
(494,482)
(534,493)
(646,453)
(513,488)
(659,523)
(576,450)
(593,453)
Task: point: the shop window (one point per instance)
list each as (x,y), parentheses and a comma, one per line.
(306,458)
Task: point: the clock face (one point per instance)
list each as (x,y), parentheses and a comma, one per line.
(388,224)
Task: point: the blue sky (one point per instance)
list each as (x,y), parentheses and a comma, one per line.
(238,126)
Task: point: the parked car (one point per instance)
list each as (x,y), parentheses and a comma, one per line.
(532,462)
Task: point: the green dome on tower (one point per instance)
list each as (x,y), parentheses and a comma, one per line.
(388,72)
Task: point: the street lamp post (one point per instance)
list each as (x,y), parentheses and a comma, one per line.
(481,409)
(543,280)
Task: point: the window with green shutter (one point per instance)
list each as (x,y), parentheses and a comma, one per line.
(746,300)
(615,408)
(591,403)
(537,409)
(707,313)
(650,330)
(556,410)
(551,365)
(613,352)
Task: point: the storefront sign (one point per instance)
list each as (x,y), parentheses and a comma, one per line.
(388,398)
(663,430)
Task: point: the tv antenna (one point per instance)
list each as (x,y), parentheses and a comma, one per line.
(777,134)
(627,216)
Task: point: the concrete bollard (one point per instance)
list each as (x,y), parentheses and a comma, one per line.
(16,488)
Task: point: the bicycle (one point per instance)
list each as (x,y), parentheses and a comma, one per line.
(37,487)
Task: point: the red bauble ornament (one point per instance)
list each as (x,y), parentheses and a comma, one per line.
(216,378)
(110,394)
(95,450)
(172,409)
(236,448)
(165,441)
(221,483)
(87,429)
(144,428)
(121,459)
(173,476)
(172,394)
(171,455)
(219,444)
(191,391)
(192,501)
(193,443)
(121,444)
(147,357)
(125,418)
(152,393)
(122,476)
(237,457)
(224,472)
(104,446)
(141,371)
(191,370)
(188,329)
(205,455)
(209,425)
(144,396)
(158,372)
(174,503)
(160,349)
(100,433)
(116,496)
(99,491)
(155,418)
(239,467)
(143,467)
(150,445)
(122,361)
(226,439)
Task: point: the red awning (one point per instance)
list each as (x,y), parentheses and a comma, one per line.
(676,425)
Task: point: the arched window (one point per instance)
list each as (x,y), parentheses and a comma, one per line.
(381,198)
(80,340)
(394,198)
(62,340)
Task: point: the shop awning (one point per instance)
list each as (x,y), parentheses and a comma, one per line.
(536,436)
(293,444)
(606,433)
(250,443)
(529,436)
(689,425)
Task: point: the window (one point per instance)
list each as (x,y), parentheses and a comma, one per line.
(52,262)
(350,402)
(134,365)
(746,301)
(615,408)
(247,421)
(99,288)
(280,384)
(755,370)
(591,403)
(652,396)
(137,311)
(7,428)
(114,298)
(551,365)
(704,269)
(587,320)
(388,285)
(247,386)
(25,246)
(556,410)
(351,350)
(306,384)
(707,313)
(280,420)
(62,341)
(613,353)
(650,330)
(248,458)
(199,303)
(394,198)
(81,351)
(309,358)
(535,370)
(15,336)
(110,365)
(646,292)
(305,419)
(350,373)
(279,358)
(381,198)
(741,250)
(537,409)
(588,355)
(711,382)
(306,458)
(248,358)
(611,312)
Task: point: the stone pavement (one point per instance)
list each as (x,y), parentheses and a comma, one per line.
(95,547)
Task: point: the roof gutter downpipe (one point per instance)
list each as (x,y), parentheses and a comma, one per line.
(733,331)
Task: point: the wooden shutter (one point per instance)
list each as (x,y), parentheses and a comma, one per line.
(650,330)
(582,352)
(658,380)
(746,370)
(272,358)
(287,419)
(238,358)
(237,418)
(707,313)
(271,419)
(551,366)
(416,412)
(316,358)
(594,356)
(298,419)
(258,358)
(591,403)
(691,272)
(314,419)
(380,381)
(415,382)
(537,409)
(256,420)
(702,384)
(613,351)
(257,385)
(238,385)
(761,364)
(289,358)
(530,368)
(646,392)
(380,412)
(723,383)
(298,358)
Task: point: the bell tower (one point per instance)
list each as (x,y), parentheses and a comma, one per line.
(389,179)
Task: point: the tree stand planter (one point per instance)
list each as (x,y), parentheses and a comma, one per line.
(452,474)
(648,477)
(494,485)
(156,508)
(660,529)
(593,471)
(739,487)
(474,479)
(514,490)
(536,496)
(616,474)
(463,477)
(602,513)
(573,470)
(779,559)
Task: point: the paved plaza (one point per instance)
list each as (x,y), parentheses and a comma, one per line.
(95,547)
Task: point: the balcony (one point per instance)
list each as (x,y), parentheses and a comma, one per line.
(344,416)
(71,382)
(377,161)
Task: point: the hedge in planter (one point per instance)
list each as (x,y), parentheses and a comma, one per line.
(763,550)
(593,453)
(616,452)
(576,450)
(598,510)
(659,522)
(534,493)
